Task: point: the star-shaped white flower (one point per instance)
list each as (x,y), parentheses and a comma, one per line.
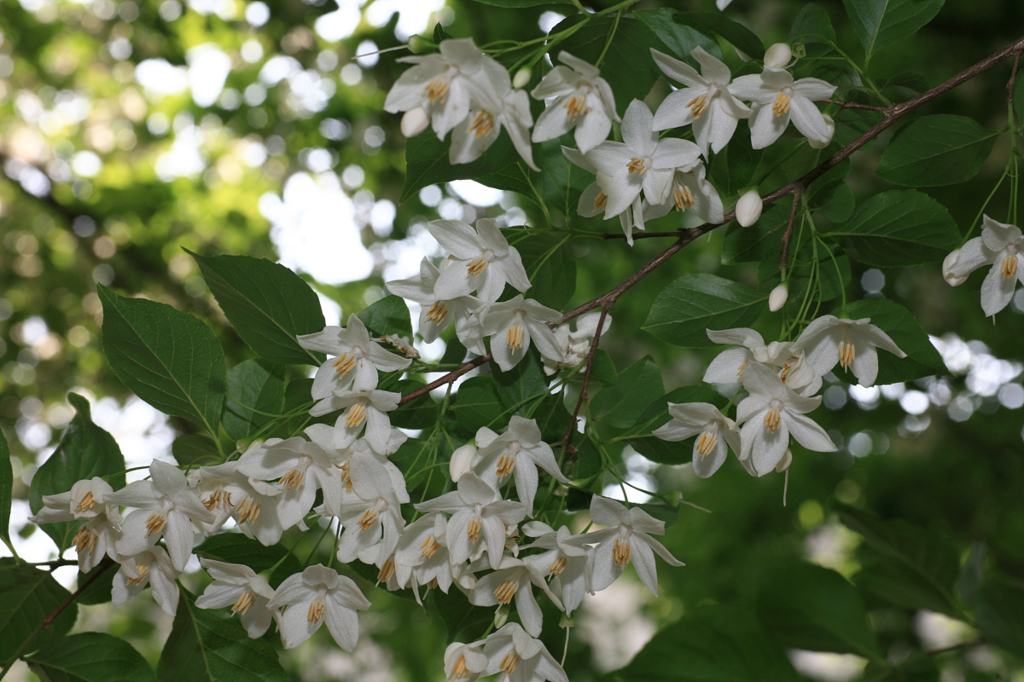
(315,596)
(707,102)
(770,414)
(520,657)
(583,100)
(87,500)
(241,588)
(506,108)
(715,429)
(482,260)
(149,567)
(829,340)
(356,358)
(464,662)
(513,324)
(435,314)
(566,559)
(517,452)
(515,579)
(691,191)
(366,409)
(778,99)
(1000,244)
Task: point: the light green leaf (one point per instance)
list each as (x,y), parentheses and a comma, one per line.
(879,23)
(899,227)
(641,437)
(255,393)
(27,595)
(235,548)
(812,25)
(91,657)
(194,449)
(84,451)
(712,644)
(936,150)
(6,490)
(922,359)
(619,406)
(551,267)
(684,311)
(929,560)
(389,315)
(211,646)
(477,404)
(169,358)
(809,607)
(267,304)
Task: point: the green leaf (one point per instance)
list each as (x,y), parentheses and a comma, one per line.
(627,64)
(684,311)
(1018,101)
(583,466)
(235,548)
(420,413)
(168,358)
(99,590)
(558,187)
(255,393)
(477,404)
(930,561)
(812,25)
(734,167)
(761,241)
(936,150)
(551,267)
(898,584)
(680,37)
(267,304)
(6,490)
(457,614)
(903,86)
(1001,615)
(922,359)
(621,405)
(879,23)
(642,439)
(712,644)
(440,34)
(426,162)
(523,3)
(389,315)
(524,381)
(809,607)
(738,35)
(552,418)
(91,657)
(211,646)
(27,595)
(899,227)
(84,451)
(838,205)
(194,449)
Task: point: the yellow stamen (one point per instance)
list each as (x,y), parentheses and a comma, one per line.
(142,570)
(473,531)
(87,502)
(460,666)
(846,353)
(559,565)
(367,519)
(483,123)
(437,89)
(155,523)
(636,165)
(739,372)
(506,590)
(386,571)
(316,611)
(772,420)
(248,510)
(698,105)
(781,104)
(476,266)
(621,552)
(508,664)
(432,584)
(345,478)
(1009,266)
(344,363)
(787,368)
(706,443)
(601,200)
(85,538)
(576,106)
(243,603)
(356,415)
(429,547)
(514,336)
(211,501)
(437,312)
(683,198)
(506,463)
(292,480)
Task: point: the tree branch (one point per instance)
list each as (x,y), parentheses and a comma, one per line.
(104,565)
(567,439)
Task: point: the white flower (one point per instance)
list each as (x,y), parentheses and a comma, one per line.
(722,4)
(1000,244)
(435,314)
(422,554)
(366,409)
(520,657)
(461,461)
(950,273)
(483,260)
(520,451)
(770,414)
(626,539)
(575,345)
(487,115)
(567,560)
(239,587)
(829,340)
(691,191)
(707,102)
(728,366)
(464,662)
(513,324)
(709,451)
(582,99)
(151,566)
(830,126)
(229,493)
(372,517)
(778,99)
(514,578)
(353,350)
(87,500)
(165,508)
(748,208)
(316,595)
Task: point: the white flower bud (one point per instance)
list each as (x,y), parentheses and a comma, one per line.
(462,460)
(501,616)
(778,56)
(831,125)
(778,298)
(414,122)
(947,270)
(748,208)
(521,78)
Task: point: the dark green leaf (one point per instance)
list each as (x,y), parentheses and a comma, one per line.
(821,191)
(603,370)
(267,304)
(169,358)
(922,359)
(930,560)
(524,381)
(91,657)
(684,311)
(812,25)
(552,418)
(389,315)
(523,3)
(760,241)
(733,169)
(1001,615)
(27,595)
(900,585)
(899,227)
(211,646)
(1018,101)
(551,267)
(738,35)
(621,405)
(255,393)
(191,449)
(426,162)
(99,590)
(584,465)
(235,548)
(420,413)
(838,205)
(903,86)
(457,614)
(641,437)
(85,451)
(478,404)
(809,607)
(6,490)
(936,150)
(440,34)
(680,37)
(879,23)
(711,644)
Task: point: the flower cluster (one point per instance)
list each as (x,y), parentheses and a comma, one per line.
(1001,246)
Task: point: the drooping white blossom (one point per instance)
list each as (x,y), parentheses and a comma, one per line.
(1002,246)
(364,410)
(482,260)
(151,566)
(241,588)
(87,500)
(715,429)
(520,657)
(830,340)
(316,596)
(566,559)
(515,579)
(778,100)
(354,358)
(516,453)
(513,324)
(583,100)
(576,344)
(435,314)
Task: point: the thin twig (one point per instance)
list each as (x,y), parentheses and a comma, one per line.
(645,235)
(567,439)
(797,193)
(1013,78)
(446,379)
(962,645)
(855,105)
(104,565)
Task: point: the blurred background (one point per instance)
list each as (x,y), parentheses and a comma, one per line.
(132,130)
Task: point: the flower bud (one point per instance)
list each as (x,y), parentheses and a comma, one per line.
(419,44)
(831,125)
(778,56)
(501,616)
(947,270)
(521,78)
(778,298)
(414,122)
(462,460)
(748,208)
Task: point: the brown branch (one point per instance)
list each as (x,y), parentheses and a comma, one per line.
(645,235)
(446,379)
(787,235)
(1013,78)
(567,439)
(854,105)
(798,186)
(103,566)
